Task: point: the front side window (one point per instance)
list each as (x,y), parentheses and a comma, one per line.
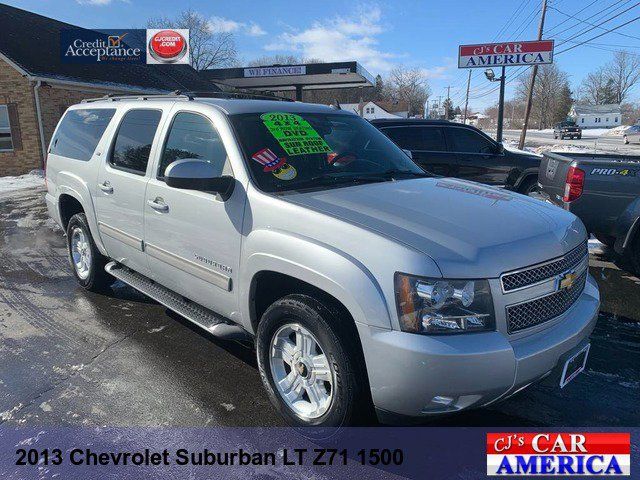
(193,136)
(134,139)
(5,130)
(464,140)
(428,139)
(298,151)
(79,132)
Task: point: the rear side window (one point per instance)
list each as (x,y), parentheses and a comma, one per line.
(134,139)
(193,136)
(430,139)
(464,140)
(79,133)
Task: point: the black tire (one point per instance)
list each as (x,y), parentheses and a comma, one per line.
(607,240)
(626,140)
(340,348)
(97,280)
(634,251)
(529,185)
(555,137)
(579,137)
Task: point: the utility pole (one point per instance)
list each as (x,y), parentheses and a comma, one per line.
(534,72)
(466,102)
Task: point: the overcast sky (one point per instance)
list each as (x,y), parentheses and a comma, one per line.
(418,33)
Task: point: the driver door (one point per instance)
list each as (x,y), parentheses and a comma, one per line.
(192,238)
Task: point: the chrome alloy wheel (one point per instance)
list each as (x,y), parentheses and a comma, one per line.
(301,371)
(80,253)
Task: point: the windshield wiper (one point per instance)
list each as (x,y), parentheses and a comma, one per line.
(321,181)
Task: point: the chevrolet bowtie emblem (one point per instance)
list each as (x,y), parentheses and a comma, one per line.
(566,280)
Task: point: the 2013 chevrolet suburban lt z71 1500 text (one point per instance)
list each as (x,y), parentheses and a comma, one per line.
(364,281)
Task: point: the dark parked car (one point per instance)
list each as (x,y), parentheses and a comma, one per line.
(567,129)
(456,150)
(603,190)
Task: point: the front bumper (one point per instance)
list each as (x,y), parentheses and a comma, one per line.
(415,376)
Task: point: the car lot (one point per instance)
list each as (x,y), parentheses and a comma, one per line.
(613,144)
(70,357)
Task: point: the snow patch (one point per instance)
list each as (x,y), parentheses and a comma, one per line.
(45,407)
(33,179)
(157,330)
(228,406)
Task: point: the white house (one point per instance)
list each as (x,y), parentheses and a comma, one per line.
(596,116)
(368,110)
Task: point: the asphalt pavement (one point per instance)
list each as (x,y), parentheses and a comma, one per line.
(71,357)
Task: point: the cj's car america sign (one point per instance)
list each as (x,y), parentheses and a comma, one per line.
(79,45)
(508,54)
(558,454)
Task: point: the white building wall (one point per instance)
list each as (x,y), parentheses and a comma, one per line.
(370,110)
(603,120)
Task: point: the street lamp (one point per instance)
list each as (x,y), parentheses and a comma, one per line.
(491,76)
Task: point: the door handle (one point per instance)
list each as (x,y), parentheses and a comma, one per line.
(106,187)
(158,205)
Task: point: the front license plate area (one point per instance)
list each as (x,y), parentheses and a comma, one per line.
(574,365)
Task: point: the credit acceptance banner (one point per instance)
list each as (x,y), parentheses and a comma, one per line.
(368,453)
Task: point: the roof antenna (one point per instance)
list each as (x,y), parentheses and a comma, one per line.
(336,104)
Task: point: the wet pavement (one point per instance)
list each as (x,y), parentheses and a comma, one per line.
(71,357)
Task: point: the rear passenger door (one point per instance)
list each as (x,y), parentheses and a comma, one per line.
(476,157)
(427,145)
(122,183)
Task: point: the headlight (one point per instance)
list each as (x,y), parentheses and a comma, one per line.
(429,305)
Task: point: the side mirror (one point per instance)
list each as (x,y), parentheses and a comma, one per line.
(194,174)
(500,149)
(408,153)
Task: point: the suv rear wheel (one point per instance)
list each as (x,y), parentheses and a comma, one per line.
(86,260)
(307,363)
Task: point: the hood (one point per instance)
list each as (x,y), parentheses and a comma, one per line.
(469,230)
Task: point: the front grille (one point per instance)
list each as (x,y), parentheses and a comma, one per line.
(543,309)
(535,274)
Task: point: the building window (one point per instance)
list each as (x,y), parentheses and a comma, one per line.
(582,120)
(6,145)
(607,119)
(616,120)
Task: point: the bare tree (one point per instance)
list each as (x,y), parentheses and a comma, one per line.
(624,72)
(275,60)
(207,48)
(409,85)
(551,95)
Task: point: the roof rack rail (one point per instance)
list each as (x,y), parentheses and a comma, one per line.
(189,96)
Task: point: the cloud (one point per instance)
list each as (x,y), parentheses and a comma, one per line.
(436,72)
(340,38)
(226,25)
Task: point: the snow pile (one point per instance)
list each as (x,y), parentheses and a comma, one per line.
(616,131)
(33,179)
(562,148)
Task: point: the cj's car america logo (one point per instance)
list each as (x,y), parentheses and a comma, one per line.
(558,454)
(78,45)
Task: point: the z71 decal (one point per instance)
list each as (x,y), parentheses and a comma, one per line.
(623,172)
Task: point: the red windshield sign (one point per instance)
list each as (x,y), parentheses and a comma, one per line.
(506,54)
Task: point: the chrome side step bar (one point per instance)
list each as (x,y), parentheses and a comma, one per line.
(195,313)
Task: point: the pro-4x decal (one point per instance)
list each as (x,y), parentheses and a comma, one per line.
(623,172)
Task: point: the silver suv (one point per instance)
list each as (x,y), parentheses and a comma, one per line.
(363,280)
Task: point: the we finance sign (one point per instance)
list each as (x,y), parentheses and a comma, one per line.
(508,54)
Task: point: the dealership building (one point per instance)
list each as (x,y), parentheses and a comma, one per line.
(36,87)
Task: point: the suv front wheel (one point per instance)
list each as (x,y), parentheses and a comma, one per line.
(307,363)
(86,260)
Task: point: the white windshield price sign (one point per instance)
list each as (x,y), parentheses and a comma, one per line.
(507,54)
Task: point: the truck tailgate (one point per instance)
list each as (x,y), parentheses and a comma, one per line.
(552,176)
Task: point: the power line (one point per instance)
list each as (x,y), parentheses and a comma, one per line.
(591,24)
(600,35)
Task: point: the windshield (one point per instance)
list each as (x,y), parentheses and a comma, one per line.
(287,151)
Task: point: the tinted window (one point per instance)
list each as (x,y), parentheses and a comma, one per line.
(134,139)
(318,150)
(418,138)
(79,132)
(465,140)
(193,136)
